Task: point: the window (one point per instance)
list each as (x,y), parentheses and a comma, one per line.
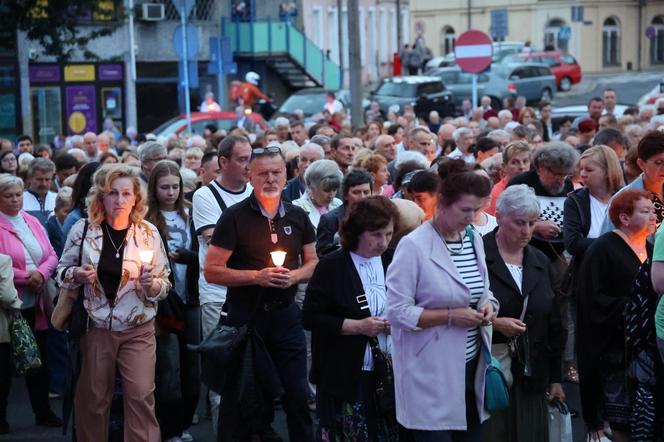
(549,61)
(430,88)
(611,42)
(447,40)
(657,42)
(448,77)
(396,89)
(553,37)
(567,59)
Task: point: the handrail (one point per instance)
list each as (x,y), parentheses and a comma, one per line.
(298,54)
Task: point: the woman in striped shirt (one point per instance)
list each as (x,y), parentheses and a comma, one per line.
(441,310)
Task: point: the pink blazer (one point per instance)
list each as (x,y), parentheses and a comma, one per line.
(11,245)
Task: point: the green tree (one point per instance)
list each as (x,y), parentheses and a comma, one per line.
(56,24)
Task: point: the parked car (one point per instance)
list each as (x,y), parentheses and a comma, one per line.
(424,93)
(655,94)
(534,81)
(558,113)
(311,101)
(500,51)
(223,120)
(564,66)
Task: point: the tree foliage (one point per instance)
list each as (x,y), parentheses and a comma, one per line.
(56,24)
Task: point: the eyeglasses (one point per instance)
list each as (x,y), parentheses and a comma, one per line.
(657,163)
(270,150)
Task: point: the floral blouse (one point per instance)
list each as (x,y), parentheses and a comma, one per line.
(131,307)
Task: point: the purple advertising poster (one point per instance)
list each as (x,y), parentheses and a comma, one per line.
(110,72)
(44,74)
(81,109)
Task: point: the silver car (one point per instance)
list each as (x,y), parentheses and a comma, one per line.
(534,81)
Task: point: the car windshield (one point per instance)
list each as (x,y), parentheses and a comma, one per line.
(500,71)
(568,59)
(309,103)
(448,77)
(396,89)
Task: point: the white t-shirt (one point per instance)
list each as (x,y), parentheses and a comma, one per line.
(598,212)
(468,158)
(178,237)
(39,209)
(206,213)
(488,227)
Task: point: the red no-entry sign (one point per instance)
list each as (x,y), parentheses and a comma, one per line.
(473,51)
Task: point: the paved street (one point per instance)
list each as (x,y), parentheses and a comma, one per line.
(630,86)
(21,419)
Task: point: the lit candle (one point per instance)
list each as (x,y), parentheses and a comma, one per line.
(278,257)
(145,256)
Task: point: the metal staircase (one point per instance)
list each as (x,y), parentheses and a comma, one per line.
(285,49)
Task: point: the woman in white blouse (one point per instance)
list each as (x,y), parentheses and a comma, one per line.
(584,213)
(346,316)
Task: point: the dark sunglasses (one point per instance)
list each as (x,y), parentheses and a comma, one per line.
(270,150)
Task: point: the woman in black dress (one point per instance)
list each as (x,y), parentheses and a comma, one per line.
(607,272)
(346,315)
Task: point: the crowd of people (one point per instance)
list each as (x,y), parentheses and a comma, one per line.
(379,269)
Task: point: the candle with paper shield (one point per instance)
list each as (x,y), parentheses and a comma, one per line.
(145,257)
(278,257)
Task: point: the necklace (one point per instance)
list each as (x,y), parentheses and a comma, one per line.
(449,249)
(117,249)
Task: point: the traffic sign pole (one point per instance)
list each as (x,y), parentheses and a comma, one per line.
(474,90)
(185,52)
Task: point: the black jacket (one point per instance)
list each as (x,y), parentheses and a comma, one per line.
(328,226)
(546,334)
(576,222)
(294,189)
(337,359)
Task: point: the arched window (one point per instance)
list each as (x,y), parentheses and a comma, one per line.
(657,42)
(447,40)
(556,34)
(611,42)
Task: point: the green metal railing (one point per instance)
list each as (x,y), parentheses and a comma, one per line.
(268,37)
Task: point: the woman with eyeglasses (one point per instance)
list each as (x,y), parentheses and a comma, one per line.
(528,336)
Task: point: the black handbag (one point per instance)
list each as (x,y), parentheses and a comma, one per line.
(384,378)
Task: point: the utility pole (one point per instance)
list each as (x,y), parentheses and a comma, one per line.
(355,62)
(340,21)
(399,27)
(470,20)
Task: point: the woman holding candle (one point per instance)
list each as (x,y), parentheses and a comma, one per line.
(347,318)
(121,289)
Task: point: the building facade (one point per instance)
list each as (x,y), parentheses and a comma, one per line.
(378,33)
(603,35)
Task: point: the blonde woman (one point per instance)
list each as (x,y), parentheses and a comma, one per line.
(121,289)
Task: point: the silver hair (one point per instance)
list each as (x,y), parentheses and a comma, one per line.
(323,173)
(412,155)
(506,113)
(498,133)
(313,146)
(150,150)
(196,141)
(518,199)
(281,121)
(8,180)
(460,131)
(321,140)
(42,165)
(558,156)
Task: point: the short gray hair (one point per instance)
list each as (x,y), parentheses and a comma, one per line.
(498,133)
(313,146)
(558,156)
(151,149)
(41,165)
(505,113)
(8,180)
(518,199)
(281,121)
(460,131)
(412,155)
(323,173)
(321,140)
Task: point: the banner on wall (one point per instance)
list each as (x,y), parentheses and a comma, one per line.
(81,109)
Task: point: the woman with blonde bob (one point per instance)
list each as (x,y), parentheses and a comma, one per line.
(121,288)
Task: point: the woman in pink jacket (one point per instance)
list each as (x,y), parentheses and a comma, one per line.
(23,238)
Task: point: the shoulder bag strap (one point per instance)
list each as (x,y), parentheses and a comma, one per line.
(80,250)
(217,196)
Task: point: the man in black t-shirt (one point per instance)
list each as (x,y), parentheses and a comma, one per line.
(260,291)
